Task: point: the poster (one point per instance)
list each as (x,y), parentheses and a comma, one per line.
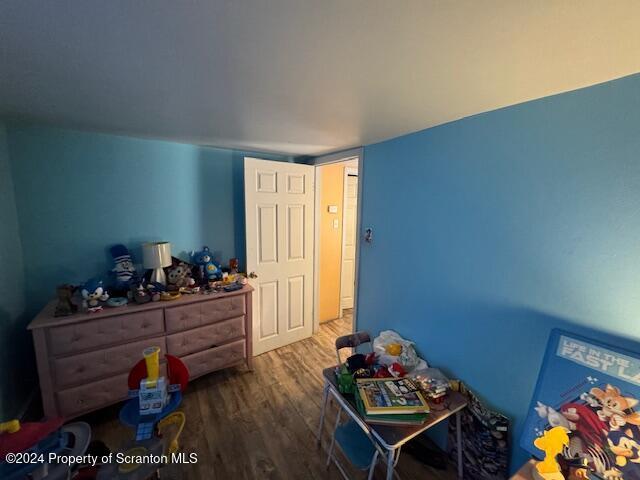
(592,389)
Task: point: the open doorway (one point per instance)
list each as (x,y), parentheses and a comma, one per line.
(336,241)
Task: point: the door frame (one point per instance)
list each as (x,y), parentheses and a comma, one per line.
(340,157)
(348,171)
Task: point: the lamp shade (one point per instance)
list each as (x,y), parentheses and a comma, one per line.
(156,255)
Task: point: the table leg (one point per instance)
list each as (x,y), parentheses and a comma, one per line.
(391,460)
(325,397)
(372,467)
(459,438)
(333,437)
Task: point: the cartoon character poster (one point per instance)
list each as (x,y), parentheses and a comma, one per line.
(592,390)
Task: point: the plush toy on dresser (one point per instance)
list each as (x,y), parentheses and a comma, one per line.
(209,270)
(92,294)
(124,270)
(65,306)
(179,277)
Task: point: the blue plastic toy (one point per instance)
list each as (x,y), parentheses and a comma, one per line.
(208,268)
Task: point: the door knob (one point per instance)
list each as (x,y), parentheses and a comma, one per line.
(253,275)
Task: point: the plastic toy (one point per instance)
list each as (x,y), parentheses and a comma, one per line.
(114,302)
(397,370)
(92,294)
(232,287)
(150,411)
(552,442)
(153,397)
(125,271)
(164,443)
(41,438)
(234,265)
(345,380)
(382,372)
(64,306)
(209,270)
(168,296)
(12,426)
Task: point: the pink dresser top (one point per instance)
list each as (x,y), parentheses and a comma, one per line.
(46,319)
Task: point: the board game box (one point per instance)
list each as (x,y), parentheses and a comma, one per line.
(391,395)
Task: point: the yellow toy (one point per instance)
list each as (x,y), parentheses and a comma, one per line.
(176,418)
(552,442)
(394,349)
(12,426)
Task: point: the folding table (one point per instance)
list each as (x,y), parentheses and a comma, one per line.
(392,437)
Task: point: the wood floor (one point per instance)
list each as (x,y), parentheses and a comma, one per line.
(260,424)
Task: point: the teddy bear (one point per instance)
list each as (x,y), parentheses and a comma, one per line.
(208,268)
(179,276)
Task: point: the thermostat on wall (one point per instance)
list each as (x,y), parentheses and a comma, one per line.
(333,209)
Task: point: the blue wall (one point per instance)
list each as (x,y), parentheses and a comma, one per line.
(14,340)
(77,193)
(498,227)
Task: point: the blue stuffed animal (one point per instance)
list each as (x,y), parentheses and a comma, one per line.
(92,293)
(124,270)
(208,268)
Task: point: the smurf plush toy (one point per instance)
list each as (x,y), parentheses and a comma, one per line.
(93,293)
(124,270)
(208,268)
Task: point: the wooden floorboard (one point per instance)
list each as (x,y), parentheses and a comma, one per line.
(261,424)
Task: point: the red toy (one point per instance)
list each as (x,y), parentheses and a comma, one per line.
(370,359)
(397,370)
(382,372)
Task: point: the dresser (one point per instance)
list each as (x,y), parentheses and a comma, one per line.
(84,359)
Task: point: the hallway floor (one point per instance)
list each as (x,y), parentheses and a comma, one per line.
(260,424)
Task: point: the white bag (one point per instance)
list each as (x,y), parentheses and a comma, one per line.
(408,358)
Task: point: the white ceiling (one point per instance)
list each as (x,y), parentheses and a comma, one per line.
(299,76)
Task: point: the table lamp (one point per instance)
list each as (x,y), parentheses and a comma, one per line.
(156,256)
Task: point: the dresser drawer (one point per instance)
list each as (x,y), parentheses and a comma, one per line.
(203,313)
(78,400)
(105,331)
(214,358)
(83,368)
(190,341)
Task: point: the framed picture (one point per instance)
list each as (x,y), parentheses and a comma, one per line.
(592,389)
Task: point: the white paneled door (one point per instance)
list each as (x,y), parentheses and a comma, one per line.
(279,210)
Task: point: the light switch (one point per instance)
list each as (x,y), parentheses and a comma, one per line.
(333,209)
(335,223)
